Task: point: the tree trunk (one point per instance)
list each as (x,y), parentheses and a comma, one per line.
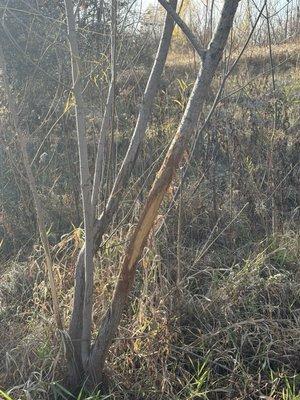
(102,224)
(111,320)
(86,188)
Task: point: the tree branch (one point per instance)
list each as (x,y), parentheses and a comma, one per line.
(185,29)
(111,320)
(103,223)
(85,182)
(12,106)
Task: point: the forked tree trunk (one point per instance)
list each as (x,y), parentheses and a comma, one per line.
(103,223)
(110,322)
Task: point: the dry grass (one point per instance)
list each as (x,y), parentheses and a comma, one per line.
(238,341)
(230,328)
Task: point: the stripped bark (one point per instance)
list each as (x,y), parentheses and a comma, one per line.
(111,320)
(102,224)
(31,181)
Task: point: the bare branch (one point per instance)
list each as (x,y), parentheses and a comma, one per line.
(39,210)
(85,182)
(111,320)
(103,223)
(185,29)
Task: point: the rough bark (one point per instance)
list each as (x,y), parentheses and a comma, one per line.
(111,320)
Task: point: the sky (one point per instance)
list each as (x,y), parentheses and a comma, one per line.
(146,3)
